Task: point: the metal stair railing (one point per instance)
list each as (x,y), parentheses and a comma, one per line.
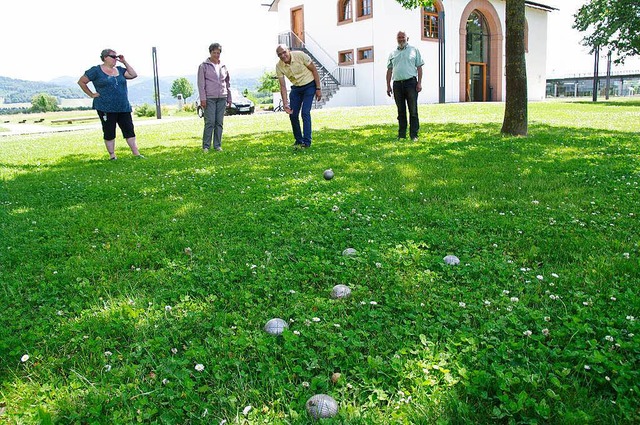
(321,55)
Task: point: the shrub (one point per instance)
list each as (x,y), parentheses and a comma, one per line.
(44,103)
(145,110)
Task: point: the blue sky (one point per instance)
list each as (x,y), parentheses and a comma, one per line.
(41,39)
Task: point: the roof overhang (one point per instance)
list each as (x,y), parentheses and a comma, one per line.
(273,5)
(541,6)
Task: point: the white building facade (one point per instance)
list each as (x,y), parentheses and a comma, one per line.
(462,43)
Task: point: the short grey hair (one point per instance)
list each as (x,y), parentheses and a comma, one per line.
(214,46)
(282,46)
(104,53)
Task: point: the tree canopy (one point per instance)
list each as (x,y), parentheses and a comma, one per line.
(268,83)
(43,102)
(412,4)
(182,86)
(611,24)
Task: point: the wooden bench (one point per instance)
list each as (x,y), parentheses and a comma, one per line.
(72,120)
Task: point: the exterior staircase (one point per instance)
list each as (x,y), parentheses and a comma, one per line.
(330,81)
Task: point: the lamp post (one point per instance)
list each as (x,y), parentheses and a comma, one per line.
(156,82)
(441,59)
(608,85)
(596,61)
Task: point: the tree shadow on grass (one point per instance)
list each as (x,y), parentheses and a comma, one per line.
(453,167)
(612,102)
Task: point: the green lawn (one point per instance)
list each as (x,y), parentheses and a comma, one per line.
(121,280)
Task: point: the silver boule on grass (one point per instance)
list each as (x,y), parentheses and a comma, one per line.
(328,174)
(322,406)
(275,326)
(349,252)
(340,291)
(452,260)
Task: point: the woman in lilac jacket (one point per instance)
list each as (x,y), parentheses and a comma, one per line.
(215,95)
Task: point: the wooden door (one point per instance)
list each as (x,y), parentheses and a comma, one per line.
(297,27)
(476,82)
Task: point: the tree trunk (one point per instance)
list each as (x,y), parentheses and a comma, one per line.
(515,114)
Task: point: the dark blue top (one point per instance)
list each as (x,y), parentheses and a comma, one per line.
(114,96)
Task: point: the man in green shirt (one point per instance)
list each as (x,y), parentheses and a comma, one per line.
(404,66)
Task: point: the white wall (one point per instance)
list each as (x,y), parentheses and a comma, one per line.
(344,97)
(320,22)
(536,57)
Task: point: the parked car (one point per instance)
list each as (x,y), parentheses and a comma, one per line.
(239,104)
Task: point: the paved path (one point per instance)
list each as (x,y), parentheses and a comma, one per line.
(20,129)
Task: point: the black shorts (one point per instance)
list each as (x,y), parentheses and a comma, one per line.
(109,121)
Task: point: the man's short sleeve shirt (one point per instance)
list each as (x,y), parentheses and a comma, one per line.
(405,63)
(297,71)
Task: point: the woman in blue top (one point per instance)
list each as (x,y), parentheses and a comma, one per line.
(110,99)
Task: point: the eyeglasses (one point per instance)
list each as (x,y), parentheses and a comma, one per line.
(113,56)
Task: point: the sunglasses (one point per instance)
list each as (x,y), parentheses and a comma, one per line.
(113,56)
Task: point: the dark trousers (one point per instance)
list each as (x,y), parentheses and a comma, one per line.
(301,99)
(405,94)
(213,121)
(109,121)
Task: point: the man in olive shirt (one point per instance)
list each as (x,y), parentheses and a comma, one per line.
(405,66)
(302,73)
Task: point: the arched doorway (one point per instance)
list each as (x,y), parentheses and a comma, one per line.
(481,50)
(477,58)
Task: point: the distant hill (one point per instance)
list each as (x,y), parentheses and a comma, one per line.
(140,89)
(21,91)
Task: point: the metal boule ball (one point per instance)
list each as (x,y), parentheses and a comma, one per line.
(451,260)
(340,291)
(322,406)
(349,252)
(275,326)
